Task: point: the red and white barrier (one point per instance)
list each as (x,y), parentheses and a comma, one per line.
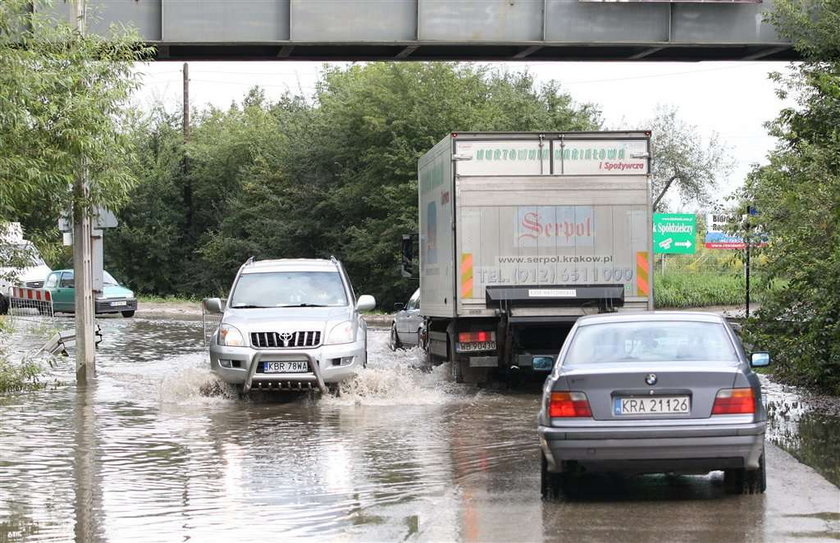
(30,302)
(36,294)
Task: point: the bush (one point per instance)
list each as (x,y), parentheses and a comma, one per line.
(17,377)
(685,289)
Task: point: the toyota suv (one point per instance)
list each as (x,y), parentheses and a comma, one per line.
(291,324)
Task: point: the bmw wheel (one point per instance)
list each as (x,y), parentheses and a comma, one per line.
(550,483)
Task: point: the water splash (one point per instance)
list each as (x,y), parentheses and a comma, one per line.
(396,385)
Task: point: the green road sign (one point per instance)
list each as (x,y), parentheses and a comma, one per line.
(674,233)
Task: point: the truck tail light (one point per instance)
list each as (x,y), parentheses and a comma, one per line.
(733,401)
(568,404)
(476,337)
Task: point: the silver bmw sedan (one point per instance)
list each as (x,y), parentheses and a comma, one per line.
(657,392)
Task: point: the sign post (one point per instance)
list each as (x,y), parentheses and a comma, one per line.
(674,233)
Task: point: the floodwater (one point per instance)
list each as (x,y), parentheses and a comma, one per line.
(156,450)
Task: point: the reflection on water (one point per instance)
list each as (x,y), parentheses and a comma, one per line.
(157,442)
(158,450)
(807,427)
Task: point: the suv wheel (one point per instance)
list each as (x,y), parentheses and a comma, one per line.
(4,305)
(394,339)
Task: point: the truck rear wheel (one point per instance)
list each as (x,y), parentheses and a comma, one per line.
(457,370)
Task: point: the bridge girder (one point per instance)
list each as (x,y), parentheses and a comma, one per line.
(533,30)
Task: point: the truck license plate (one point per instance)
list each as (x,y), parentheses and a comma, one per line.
(479,346)
(659,405)
(295,366)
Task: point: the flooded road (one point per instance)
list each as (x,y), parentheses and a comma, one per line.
(402,455)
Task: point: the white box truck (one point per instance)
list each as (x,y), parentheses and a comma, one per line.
(521,234)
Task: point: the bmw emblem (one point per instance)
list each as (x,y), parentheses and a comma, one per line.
(650,379)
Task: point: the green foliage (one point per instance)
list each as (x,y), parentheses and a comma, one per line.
(812,25)
(297,178)
(63,110)
(798,196)
(18,377)
(681,290)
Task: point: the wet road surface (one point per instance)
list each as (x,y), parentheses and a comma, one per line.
(157,451)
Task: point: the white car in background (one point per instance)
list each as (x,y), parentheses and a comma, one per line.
(407,325)
(20,264)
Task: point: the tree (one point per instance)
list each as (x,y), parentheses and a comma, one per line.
(683,160)
(303,178)
(372,124)
(62,109)
(798,198)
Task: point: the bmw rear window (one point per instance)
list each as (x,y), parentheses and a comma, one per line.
(650,341)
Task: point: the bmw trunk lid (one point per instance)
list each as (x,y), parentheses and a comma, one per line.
(611,387)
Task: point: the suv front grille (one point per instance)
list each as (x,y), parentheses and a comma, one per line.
(262,340)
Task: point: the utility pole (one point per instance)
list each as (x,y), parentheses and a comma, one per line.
(186,116)
(188,228)
(83,258)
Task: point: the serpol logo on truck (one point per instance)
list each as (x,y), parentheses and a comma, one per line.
(564,226)
(674,233)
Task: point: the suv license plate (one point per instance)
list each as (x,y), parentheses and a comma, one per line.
(117,304)
(296,366)
(473,347)
(660,405)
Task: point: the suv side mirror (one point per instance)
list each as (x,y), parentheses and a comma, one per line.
(399,307)
(366,303)
(760,360)
(213,305)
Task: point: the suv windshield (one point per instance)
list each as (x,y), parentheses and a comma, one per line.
(289,289)
(650,341)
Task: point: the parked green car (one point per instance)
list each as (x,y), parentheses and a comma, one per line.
(115,297)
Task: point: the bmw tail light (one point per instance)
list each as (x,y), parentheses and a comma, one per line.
(734,401)
(568,404)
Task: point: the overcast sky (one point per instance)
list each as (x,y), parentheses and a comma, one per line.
(734,99)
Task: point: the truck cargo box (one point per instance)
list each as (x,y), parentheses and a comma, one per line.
(565,215)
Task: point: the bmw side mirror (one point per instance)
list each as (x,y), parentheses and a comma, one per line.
(366,303)
(399,307)
(213,305)
(760,360)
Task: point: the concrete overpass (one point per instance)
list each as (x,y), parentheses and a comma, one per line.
(530,30)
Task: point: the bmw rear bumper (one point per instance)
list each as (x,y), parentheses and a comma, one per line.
(682,449)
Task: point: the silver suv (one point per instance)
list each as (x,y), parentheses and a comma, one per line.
(291,324)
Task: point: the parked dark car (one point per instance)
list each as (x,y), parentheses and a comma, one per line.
(657,392)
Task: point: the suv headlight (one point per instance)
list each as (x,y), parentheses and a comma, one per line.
(230,336)
(343,332)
